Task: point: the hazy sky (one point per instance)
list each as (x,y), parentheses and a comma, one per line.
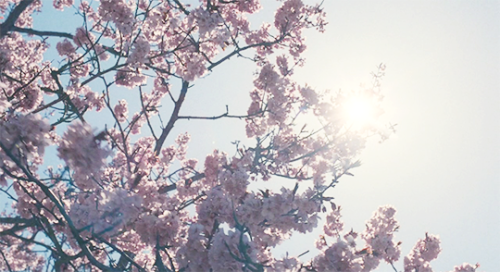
(442,87)
(441,170)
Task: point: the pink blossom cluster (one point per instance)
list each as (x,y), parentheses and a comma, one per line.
(4,106)
(225,246)
(106,212)
(119,12)
(465,267)
(25,137)
(280,96)
(22,258)
(333,225)
(121,111)
(205,20)
(129,78)
(424,251)
(342,255)
(290,18)
(82,152)
(139,52)
(65,48)
(193,255)
(84,98)
(61,4)
(338,257)
(379,234)
(159,228)
(18,54)
(83,37)
(272,217)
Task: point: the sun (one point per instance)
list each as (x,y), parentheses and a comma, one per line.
(359,111)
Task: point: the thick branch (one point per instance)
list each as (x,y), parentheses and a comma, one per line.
(16,220)
(7,26)
(17,228)
(167,188)
(173,118)
(42,33)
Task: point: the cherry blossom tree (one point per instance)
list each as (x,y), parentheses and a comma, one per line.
(123,199)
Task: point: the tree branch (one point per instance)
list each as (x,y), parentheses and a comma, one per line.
(239,50)
(8,24)
(224,115)
(42,33)
(81,243)
(181,7)
(15,220)
(173,118)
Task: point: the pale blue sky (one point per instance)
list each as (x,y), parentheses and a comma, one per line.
(442,87)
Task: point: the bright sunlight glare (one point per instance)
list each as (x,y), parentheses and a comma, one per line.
(359,111)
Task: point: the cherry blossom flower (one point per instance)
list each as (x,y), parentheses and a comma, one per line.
(121,111)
